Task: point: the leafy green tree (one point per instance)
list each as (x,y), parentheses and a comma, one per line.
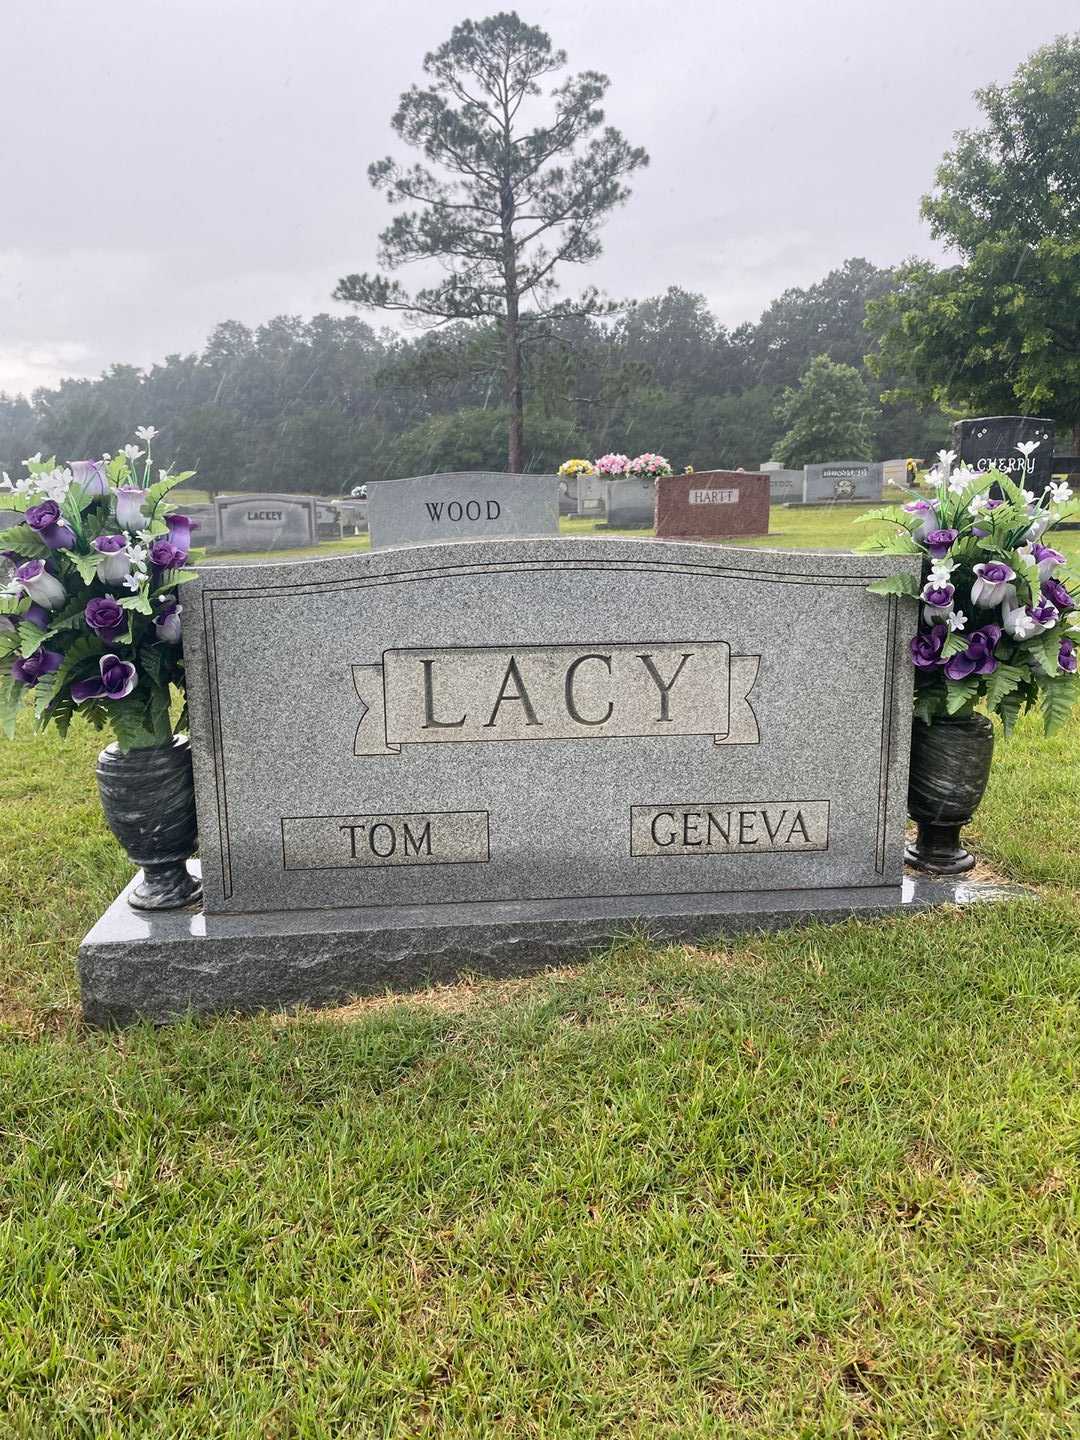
(501,206)
(1000,331)
(827,416)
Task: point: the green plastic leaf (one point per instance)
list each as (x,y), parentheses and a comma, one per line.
(21,540)
(11,693)
(961,694)
(1002,682)
(1058,698)
(87,565)
(955,642)
(895,585)
(1043,649)
(139,602)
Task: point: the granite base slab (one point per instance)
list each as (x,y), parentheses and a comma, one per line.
(160,967)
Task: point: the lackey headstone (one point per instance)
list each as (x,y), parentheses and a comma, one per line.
(712,505)
(265,522)
(994,443)
(472,505)
(842,480)
(496,754)
(630,503)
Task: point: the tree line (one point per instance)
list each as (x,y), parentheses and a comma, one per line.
(327,403)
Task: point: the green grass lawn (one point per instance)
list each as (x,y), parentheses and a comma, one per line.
(820,1183)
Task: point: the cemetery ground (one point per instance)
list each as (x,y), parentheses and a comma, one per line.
(821,1182)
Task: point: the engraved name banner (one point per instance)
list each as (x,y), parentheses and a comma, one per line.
(555,692)
(714,497)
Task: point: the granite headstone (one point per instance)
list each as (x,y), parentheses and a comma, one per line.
(204,525)
(496,754)
(842,480)
(590,495)
(630,503)
(1022,446)
(471,505)
(712,505)
(352,516)
(265,522)
(785,486)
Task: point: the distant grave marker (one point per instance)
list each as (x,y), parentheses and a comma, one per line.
(472,505)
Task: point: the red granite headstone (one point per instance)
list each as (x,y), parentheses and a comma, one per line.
(712,505)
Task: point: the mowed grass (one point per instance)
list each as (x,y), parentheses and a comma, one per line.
(820,1183)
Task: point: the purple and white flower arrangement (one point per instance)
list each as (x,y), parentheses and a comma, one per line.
(998,620)
(90,622)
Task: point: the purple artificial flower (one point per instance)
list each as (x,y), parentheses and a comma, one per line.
(45,519)
(991,583)
(115,564)
(89,475)
(919,507)
(129,507)
(1044,613)
(37,615)
(180,528)
(939,541)
(978,658)
(165,555)
(1067,656)
(167,622)
(106,617)
(30,670)
(926,649)
(44,589)
(938,597)
(1054,591)
(993,504)
(1047,559)
(116,678)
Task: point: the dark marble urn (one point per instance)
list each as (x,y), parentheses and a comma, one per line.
(148,796)
(950,765)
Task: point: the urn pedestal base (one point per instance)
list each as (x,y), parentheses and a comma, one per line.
(162,966)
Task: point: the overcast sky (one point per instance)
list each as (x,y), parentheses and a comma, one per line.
(166,164)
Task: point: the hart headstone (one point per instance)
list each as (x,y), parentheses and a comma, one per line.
(842,480)
(494,755)
(712,505)
(1022,446)
(265,522)
(630,503)
(473,505)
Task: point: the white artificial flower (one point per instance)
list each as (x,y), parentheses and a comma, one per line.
(33,459)
(1019,624)
(940,570)
(1027,495)
(1027,447)
(132,452)
(145,432)
(945,459)
(137,553)
(978,503)
(54,484)
(957,620)
(1060,492)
